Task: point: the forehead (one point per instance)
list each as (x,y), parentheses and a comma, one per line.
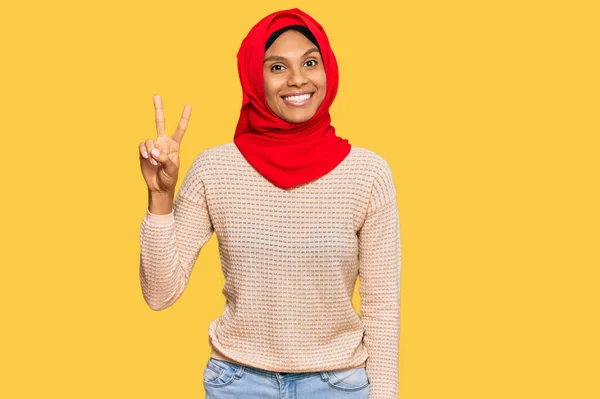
(290,41)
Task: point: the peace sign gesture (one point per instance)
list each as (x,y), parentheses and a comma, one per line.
(159,159)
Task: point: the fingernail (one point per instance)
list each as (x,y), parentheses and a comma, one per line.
(145,154)
(155,152)
(153,162)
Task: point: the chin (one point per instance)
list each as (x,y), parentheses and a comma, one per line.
(297,117)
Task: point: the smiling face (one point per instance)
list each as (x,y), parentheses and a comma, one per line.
(294,76)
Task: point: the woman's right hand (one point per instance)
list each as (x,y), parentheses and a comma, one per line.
(160,171)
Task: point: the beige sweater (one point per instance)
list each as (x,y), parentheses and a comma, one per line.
(290,259)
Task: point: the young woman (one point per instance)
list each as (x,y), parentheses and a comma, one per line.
(299,214)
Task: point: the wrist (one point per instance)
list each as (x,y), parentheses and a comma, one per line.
(160,203)
(161,195)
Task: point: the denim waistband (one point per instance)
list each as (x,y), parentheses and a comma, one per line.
(272,375)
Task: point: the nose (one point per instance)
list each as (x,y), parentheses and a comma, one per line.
(297,77)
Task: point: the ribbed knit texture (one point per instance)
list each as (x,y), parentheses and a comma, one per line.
(290,259)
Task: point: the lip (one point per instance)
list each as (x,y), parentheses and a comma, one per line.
(303,103)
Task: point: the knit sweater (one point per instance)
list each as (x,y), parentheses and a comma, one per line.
(290,259)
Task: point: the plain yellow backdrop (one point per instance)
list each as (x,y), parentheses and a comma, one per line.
(487,111)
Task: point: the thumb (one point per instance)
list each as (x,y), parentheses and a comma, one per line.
(167,163)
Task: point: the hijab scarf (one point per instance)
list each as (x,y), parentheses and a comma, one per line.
(287,154)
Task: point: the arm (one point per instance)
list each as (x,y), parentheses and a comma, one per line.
(379,289)
(170,243)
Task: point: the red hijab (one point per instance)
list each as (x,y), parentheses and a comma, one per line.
(287,154)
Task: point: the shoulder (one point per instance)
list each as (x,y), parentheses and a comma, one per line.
(215,152)
(379,173)
(372,163)
(205,161)
(205,164)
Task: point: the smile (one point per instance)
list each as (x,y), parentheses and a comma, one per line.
(298,100)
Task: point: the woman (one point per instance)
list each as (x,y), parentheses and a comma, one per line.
(299,214)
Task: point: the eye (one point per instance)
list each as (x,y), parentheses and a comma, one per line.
(277,67)
(314,63)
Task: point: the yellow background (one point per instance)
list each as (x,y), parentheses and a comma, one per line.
(487,111)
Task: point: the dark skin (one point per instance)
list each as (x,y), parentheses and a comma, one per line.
(293,65)
(160,171)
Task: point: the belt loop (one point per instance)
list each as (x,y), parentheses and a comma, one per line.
(324,375)
(240,371)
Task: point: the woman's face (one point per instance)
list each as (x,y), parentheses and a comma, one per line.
(295,82)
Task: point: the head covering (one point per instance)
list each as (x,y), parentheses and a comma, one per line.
(287,154)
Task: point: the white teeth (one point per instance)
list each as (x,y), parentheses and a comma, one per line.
(297,99)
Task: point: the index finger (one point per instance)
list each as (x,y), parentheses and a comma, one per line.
(160,116)
(183,124)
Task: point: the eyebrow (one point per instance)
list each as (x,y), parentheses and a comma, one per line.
(280,58)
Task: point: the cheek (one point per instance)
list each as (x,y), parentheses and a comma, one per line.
(321,82)
(272,88)
(322,85)
(268,85)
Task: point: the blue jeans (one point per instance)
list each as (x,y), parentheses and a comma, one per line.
(224,380)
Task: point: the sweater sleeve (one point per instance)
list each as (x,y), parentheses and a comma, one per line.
(170,244)
(379,289)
